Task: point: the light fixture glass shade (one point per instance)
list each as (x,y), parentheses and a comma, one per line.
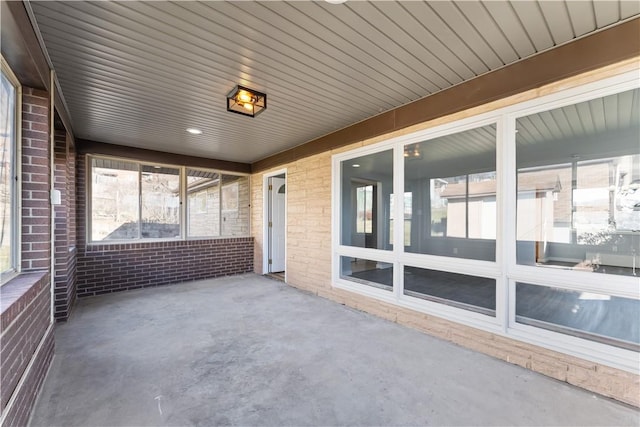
(245,101)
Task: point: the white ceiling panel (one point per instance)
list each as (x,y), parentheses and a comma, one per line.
(582,16)
(139,73)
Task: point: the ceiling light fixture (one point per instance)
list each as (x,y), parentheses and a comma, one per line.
(412,151)
(245,101)
(194,131)
(336,1)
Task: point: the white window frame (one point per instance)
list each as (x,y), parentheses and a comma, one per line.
(183,205)
(16,181)
(505,269)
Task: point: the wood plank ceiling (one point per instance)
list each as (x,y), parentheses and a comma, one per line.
(139,73)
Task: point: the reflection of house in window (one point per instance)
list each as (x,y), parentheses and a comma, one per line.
(544,204)
(230,197)
(464,206)
(203,195)
(217,204)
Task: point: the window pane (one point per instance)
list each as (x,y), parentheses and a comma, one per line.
(452,180)
(598,317)
(160,202)
(114,200)
(367,183)
(203,203)
(458,290)
(7,140)
(449,207)
(364,209)
(235,205)
(408,197)
(373,273)
(578,171)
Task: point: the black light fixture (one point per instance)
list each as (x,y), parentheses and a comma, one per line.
(245,101)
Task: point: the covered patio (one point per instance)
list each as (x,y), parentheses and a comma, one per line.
(247,350)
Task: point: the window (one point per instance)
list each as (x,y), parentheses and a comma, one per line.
(160,196)
(453,182)
(9,236)
(454,289)
(507,216)
(115,191)
(230,196)
(595,316)
(235,198)
(367,272)
(443,214)
(408,204)
(131,200)
(367,181)
(578,177)
(203,203)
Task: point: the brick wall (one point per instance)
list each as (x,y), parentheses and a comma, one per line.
(118,267)
(35,181)
(70,206)
(308,267)
(112,267)
(24,326)
(26,343)
(65,251)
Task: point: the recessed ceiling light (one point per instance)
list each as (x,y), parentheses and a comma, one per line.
(335,1)
(194,131)
(355,165)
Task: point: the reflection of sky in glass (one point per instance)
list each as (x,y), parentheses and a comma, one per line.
(7,111)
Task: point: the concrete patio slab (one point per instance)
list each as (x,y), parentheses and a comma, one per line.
(247,350)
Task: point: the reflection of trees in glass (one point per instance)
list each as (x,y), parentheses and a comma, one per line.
(114,202)
(160,200)
(160,197)
(131,201)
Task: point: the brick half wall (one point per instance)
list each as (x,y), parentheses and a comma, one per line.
(26,344)
(106,268)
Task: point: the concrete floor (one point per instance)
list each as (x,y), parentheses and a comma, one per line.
(247,350)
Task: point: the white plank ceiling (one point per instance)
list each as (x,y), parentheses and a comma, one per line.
(139,73)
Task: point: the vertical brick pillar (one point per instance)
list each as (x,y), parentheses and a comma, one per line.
(64,232)
(36,249)
(71,224)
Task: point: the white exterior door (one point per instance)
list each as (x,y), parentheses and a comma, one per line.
(277,196)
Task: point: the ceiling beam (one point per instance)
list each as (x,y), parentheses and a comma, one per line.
(151,156)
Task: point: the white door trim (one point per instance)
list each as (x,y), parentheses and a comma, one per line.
(265,221)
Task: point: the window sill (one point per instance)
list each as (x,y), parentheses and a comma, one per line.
(131,242)
(17,294)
